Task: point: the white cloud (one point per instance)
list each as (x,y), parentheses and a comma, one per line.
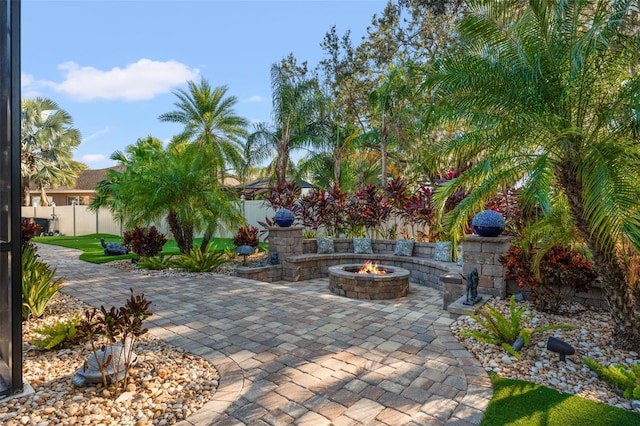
(97,134)
(93,158)
(254,99)
(30,87)
(137,81)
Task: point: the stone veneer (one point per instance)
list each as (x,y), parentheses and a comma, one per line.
(483,253)
(392,285)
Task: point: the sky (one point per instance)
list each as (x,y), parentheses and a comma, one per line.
(114,65)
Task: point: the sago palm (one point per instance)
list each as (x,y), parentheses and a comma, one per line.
(550,94)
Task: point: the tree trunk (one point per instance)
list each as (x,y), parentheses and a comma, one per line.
(44,200)
(182,233)
(205,242)
(26,196)
(618,271)
(282,161)
(383,151)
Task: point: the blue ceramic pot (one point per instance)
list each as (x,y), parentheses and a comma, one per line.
(284,218)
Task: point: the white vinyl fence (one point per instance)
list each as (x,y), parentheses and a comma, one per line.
(79,220)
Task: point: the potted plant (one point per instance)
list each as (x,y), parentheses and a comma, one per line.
(488,223)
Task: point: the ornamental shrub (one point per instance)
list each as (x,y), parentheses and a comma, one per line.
(39,284)
(562,272)
(29,229)
(144,242)
(246,236)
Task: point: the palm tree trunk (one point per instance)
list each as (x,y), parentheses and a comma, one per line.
(205,242)
(383,151)
(182,234)
(621,284)
(26,196)
(44,200)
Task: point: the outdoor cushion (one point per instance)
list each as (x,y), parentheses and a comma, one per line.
(362,246)
(403,248)
(442,252)
(325,245)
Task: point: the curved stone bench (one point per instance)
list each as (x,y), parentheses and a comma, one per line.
(424,271)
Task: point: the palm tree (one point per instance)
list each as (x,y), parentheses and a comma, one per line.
(551,100)
(47,143)
(211,122)
(172,184)
(296,123)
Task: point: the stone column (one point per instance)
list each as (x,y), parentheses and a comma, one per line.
(483,253)
(285,241)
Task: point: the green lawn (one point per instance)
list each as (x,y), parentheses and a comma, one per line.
(517,402)
(94,253)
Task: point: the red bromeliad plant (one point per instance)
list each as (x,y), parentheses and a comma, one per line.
(562,272)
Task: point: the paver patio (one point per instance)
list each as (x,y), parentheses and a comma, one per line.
(293,353)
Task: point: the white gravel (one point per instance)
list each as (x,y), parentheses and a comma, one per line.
(591,337)
(166,386)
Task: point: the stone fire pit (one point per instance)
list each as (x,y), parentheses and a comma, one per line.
(345,281)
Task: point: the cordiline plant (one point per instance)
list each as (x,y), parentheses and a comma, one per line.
(502,330)
(115,327)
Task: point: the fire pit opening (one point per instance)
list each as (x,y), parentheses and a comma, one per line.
(375,282)
(370,268)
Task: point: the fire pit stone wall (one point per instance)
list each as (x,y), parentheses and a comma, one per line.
(343,281)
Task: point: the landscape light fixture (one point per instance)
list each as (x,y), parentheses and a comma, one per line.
(560,347)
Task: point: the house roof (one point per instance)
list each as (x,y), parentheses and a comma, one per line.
(87,180)
(262,186)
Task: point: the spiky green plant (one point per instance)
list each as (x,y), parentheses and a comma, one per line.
(39,284)
(198,261)
(618,375)
(502,330)
(57,334)
(155,263)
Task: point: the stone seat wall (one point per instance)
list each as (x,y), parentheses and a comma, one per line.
(424,270)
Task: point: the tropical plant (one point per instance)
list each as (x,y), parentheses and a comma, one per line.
(551,279)
(210,121)
(502,330)
(155,263)
(196,260)
(39,284)
(296,105)
(29,229)
(320,208)
(47,141)
(367,210)
(547,93)
(173,184)
(618,375)
(115,328)
(246,236)
(144,242)
(58,333)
